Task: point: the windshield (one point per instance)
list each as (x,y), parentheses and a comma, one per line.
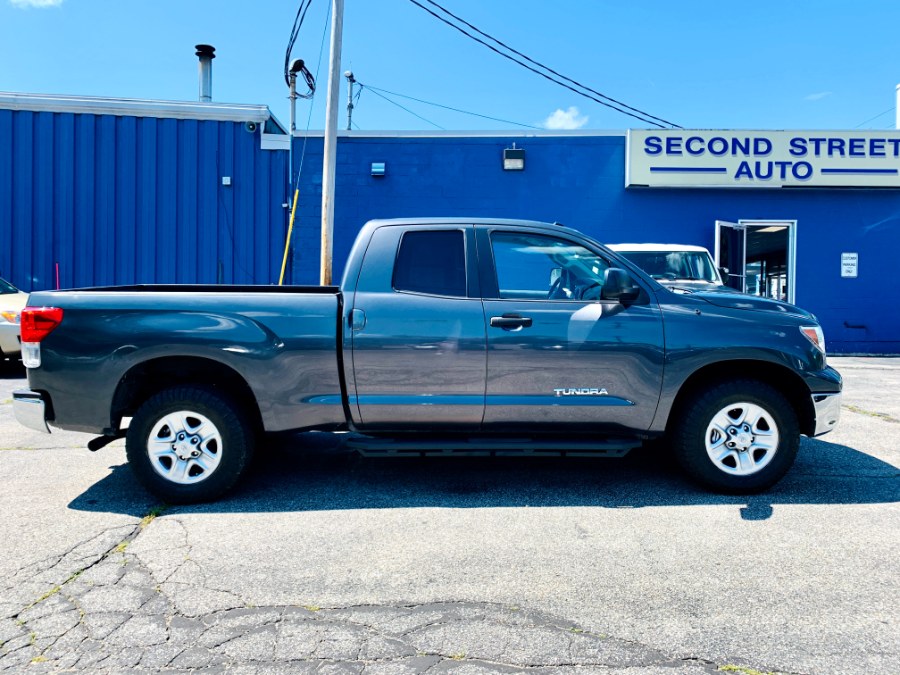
(7,288)
(671,265)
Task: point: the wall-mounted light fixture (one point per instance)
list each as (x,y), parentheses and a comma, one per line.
(513,159)
(378,168)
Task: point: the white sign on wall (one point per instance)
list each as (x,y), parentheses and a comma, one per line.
(711,158)
(850,265)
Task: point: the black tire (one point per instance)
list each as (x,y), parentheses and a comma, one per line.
(224,444)
(734,474)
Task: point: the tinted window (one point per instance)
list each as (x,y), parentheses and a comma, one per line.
(534,267)
(7,288)
(432,262)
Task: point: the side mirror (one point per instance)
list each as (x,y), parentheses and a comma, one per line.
(723,272)
(619,286)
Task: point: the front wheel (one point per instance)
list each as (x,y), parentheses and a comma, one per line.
(189,444)
(738,437)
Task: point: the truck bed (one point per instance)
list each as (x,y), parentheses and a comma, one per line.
(280,342)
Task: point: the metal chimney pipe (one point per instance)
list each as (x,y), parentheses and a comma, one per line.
(206,53)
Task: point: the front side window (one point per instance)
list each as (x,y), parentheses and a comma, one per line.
(432,262)
(535,267)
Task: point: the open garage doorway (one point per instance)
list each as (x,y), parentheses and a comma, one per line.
(759,255)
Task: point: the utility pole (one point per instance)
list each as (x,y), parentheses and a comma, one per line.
(330,153)
(350,82)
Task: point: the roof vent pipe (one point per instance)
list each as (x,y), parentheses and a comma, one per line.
(206,53)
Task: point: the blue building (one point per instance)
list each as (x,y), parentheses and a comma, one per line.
(97,191)
(819,240)
(111,191)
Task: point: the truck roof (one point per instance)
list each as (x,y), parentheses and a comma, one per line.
(464,220)
(655,247)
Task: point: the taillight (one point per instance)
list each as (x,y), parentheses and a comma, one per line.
(38,322)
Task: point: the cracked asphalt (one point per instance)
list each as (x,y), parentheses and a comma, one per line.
(323,561)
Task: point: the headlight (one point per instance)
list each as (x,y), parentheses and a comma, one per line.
(815,335)
(11,317)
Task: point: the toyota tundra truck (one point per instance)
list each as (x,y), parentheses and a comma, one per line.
(445,336)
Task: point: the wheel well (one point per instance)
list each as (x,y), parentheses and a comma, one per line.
(779,377)
(150,377)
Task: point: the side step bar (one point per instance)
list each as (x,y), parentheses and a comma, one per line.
(422,446)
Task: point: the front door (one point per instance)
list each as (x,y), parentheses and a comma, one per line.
(731,245)
(759,255)
(557,353)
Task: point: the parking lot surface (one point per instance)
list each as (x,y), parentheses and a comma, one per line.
(323,561)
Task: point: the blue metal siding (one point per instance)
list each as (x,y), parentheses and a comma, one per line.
(579,181)
(120,200)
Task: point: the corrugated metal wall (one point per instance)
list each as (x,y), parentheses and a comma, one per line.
(121,200)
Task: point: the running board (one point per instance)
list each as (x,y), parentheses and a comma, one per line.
(418,446)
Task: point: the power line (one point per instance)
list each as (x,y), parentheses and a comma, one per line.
(304,71)
(447,107)
(891,109)
(406,109)
(547,68)
(583,90)
(309,116)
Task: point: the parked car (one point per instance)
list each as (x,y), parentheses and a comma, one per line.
(679,267)
(448,336)
(12,302)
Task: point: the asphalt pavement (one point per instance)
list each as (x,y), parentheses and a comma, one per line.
(324,561)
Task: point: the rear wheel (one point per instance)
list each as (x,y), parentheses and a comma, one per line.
(189,444)
(738,437)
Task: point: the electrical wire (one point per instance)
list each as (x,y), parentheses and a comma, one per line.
(295,31)
(548,68)
(304,71)
(392,102)
(871,119)
(447,107)
(582,90)
(309,116)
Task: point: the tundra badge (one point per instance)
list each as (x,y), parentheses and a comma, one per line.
(581,391)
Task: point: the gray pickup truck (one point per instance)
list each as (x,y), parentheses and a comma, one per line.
(446,335)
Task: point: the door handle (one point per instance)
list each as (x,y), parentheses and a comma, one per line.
(510,322)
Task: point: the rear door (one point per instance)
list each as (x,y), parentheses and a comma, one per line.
(557,354)
(418,332)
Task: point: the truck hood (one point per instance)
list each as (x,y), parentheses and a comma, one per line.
(750,302)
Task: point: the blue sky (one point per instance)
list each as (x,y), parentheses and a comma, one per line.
(764,64)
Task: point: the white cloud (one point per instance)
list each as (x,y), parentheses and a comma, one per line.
(565,119)
(36,3)
(818,96)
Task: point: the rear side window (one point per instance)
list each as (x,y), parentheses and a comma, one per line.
(432,262)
